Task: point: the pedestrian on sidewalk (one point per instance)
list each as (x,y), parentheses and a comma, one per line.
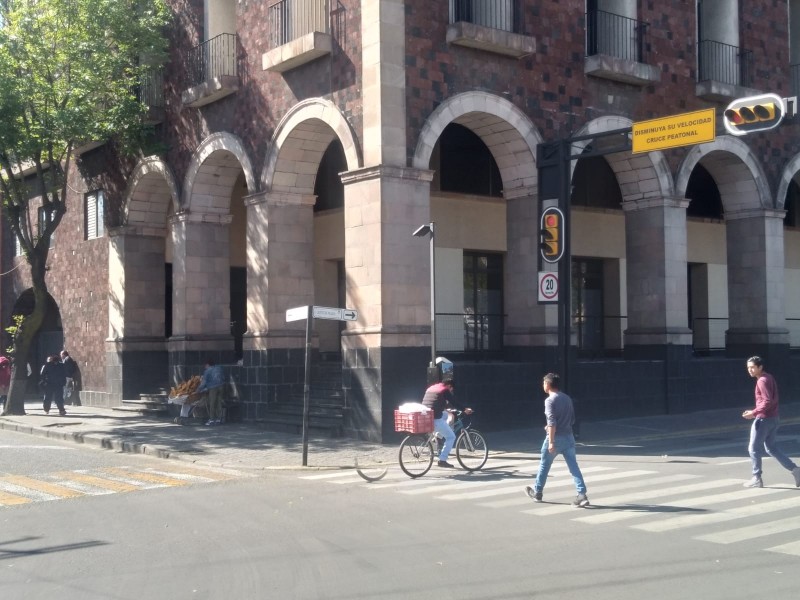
(764,430)
(560,414)
(213,384)
(51,383)
(70,372)
(5,378)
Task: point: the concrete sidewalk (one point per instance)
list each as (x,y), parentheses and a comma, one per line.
(249,446)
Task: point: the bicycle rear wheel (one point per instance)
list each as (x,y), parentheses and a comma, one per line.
(471,450)
(416,455)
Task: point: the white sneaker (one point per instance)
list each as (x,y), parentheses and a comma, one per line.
(796,474)
(210,422)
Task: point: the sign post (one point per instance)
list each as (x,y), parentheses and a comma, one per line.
(309,313)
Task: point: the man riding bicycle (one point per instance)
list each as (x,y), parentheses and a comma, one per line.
(439,397)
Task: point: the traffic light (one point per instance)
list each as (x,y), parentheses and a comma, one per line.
(552,244)
(755,113)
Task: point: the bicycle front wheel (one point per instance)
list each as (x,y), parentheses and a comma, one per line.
(416,455)
(471,450)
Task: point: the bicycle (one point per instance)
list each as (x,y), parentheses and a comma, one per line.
(417,450)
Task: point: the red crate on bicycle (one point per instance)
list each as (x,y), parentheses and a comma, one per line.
(413,422)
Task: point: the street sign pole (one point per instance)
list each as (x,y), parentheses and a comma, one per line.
(307,383)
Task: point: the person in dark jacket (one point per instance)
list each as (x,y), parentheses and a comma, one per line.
(70,372)
(52,380)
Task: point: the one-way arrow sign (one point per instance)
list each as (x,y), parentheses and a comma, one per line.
(300,313)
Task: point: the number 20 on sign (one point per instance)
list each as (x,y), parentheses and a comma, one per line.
(548,286)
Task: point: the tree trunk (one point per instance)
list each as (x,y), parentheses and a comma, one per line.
(23,340)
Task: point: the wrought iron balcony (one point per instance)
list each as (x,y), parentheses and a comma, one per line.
(496,14)
(292,19)
(724,63)
(212,59)
(212,69)
(615,35)
(150,90)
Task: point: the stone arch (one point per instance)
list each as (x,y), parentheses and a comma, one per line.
(212,173)
(302,136)
(639,176)
(508,133)
(151,188)
(724,158)
(790,172)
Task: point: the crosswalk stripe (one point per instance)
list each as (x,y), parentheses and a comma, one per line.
(758,508)
(332,475)
(751,532)
(790,548)
(448,484)
(525,501)
(551,509)
(148,477)
(7,499)
(107,484)
(518,489)
(51,489)
(621,513)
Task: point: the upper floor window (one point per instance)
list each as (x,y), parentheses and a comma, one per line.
(94,215)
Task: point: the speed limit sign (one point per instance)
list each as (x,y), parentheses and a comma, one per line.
(548,286)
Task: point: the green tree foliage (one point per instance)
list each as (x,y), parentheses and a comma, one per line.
(70,71)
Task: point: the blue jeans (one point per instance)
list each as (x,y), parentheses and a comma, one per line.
(565,444)
(762,435)
(441,427)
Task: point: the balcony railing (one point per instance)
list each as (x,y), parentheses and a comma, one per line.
(291,19)
(150,90)
(615,35)
(496,14)
(213,59)
(724,63)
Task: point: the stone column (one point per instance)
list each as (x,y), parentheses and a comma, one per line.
(388,282)
(756,313)
(655,242)
(201,316)
(135,347)
(529,326)
(280,267)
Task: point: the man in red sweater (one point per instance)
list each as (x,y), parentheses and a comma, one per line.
(765,418)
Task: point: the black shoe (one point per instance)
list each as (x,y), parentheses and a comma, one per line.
(533,494)
(445,464)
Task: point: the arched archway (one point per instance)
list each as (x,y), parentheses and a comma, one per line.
(748,254)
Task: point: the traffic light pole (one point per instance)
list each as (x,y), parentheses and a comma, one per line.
(554,160)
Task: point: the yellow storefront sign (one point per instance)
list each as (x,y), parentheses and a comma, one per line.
(685,129)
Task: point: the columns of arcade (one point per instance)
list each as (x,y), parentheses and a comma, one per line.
(135,351)
(756,313)
(201,321)
(280,268)
(655,240)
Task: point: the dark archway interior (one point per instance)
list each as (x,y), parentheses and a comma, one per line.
(328,187)
(466,165)
(595,184)
(703,194)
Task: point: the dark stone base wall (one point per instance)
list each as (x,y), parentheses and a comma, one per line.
(134,372)
(268,376)
(378,380)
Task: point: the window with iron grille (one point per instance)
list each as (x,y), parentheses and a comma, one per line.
(94,215)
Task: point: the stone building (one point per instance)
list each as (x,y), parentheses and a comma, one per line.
(306,140)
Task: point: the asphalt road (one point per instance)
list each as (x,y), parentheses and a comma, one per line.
(669,519)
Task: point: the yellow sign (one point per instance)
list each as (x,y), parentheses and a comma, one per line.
(671,132)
